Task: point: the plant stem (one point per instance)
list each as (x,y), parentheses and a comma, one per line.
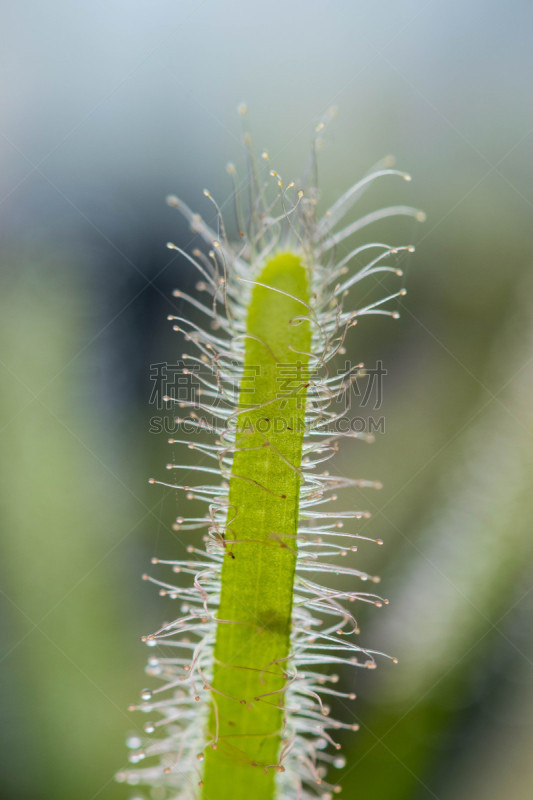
(252,638)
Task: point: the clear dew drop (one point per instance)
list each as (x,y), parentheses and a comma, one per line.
(133,742)
(146,694)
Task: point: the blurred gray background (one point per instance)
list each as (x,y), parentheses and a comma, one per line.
(105,109)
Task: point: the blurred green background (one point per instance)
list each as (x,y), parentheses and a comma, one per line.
(106,108)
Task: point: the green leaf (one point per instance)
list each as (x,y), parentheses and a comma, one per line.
(252,639)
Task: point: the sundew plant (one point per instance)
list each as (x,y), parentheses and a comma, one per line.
(247,668)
